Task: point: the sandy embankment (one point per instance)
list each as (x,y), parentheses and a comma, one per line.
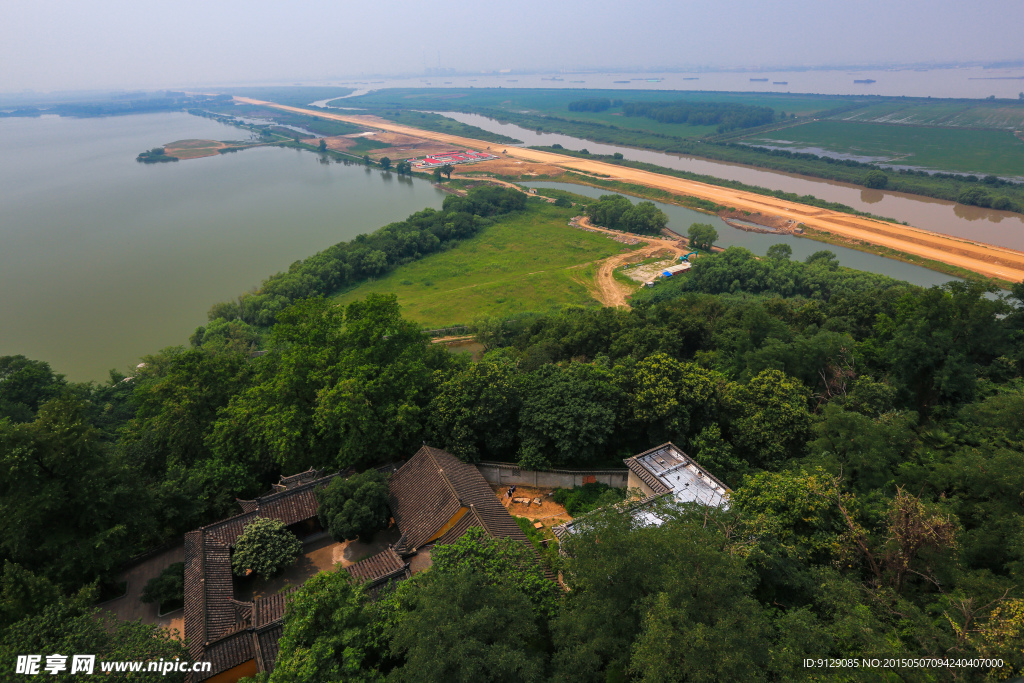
(984,259)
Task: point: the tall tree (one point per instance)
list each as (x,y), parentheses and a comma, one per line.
(355,507)
(702,236)
(569,415)
(464,628)
(325,634)
(475,413)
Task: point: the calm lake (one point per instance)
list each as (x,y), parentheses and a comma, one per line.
(103,259)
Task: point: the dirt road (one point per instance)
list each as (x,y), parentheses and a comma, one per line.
(611,292)
(985,259)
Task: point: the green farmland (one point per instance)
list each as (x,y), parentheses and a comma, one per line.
(982,152)
(1000,114)
(531,261)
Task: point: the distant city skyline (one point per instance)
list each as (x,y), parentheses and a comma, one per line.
(100,44)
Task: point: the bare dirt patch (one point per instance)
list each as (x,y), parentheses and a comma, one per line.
(648,271)
(525,503)
(510,167)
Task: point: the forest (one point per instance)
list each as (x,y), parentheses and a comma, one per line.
(726,115)
(871,431)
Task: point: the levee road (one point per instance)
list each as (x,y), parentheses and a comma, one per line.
(985,259)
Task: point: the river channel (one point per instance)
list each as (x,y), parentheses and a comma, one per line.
(1002,228)
(104,259)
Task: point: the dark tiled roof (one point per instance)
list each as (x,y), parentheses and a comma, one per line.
(377,567)
(228,652)
(381,571)
(220,611)
(422,498)
(267,643)
(271,608)
(215,623)
(432,486)
(195,595)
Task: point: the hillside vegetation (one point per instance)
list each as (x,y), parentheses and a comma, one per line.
(871,432)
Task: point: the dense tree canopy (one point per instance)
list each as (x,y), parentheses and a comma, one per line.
(325,636)
(24,386)
(725,115)
(617,212)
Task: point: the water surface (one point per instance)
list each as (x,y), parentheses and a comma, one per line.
(104,259)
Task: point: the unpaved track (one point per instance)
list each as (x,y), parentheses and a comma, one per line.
(984,259)
(611,292)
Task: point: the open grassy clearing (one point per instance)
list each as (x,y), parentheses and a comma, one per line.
(531,261)
(364,145)
(953,149)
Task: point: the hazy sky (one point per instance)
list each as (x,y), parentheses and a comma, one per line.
(80,44)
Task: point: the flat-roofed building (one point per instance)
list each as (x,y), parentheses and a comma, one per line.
(665,469)
(665,472)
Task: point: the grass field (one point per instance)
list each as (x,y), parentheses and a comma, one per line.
(997,152)
(530,261)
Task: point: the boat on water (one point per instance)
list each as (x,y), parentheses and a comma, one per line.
(864,80)
(758,80)
(780,82)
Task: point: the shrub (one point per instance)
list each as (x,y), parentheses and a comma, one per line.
(355,507)
(583,499)
(168,589)
(876,180)
(266,547)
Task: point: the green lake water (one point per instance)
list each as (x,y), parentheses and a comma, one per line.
(103,259)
